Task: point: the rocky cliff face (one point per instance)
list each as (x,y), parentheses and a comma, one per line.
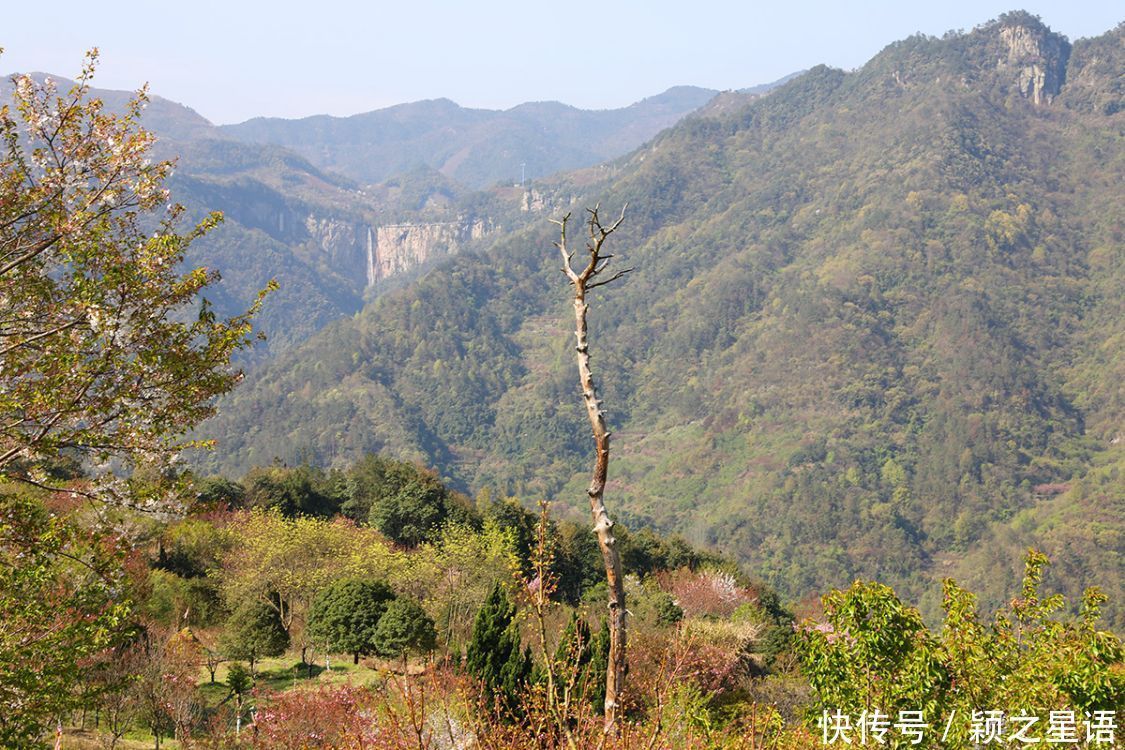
(368,253)
(1034,58)
(341,242)
(396,248)
(1095,74)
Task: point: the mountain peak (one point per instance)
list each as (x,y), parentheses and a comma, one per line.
(1013,54)
(1032,54)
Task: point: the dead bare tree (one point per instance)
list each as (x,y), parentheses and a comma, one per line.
(583,282)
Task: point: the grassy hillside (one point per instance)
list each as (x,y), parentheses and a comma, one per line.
(875,328)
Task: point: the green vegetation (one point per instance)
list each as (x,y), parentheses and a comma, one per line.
(495,655)
(100,320)
(347,614)
(58,609)
(254,631)
(873,651)
(404,628)
(710,647)
(107,355)
(874,330)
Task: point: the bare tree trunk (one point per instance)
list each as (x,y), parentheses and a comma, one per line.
(582,282)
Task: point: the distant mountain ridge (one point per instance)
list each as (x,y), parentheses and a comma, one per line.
(475,147)
(291,216)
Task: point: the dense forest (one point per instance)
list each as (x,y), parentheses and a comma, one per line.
(873,330)
(862,363)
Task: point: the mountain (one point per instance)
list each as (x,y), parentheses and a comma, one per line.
(875,328)
(285,219)
(475,147)
(332,243)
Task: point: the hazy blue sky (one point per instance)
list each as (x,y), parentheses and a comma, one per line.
(233,60)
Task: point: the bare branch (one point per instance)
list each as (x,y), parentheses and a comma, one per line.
(610,280)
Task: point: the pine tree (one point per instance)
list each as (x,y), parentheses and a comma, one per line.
(494,655)
(599,663)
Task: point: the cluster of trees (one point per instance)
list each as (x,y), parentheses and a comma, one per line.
(284,536)
(699,676)
(299,527)
(356,616)
(365,617)
(711,649)
(232,586)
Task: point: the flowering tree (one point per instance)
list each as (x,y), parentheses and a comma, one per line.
(325,717)
(165,691)
(106,352)
(105,349)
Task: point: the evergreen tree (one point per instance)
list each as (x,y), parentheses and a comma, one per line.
(483,657)
(240,683)
(515,673)
(254,631)
(404,627)
(599,663)
(345,616)
(494,656)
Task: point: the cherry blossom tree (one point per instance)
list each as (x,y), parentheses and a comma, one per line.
(106,348)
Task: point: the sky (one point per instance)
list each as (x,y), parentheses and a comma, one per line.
(237,59)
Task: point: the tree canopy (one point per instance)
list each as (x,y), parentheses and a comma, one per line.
(345,616)
(254,631)
(403,628)
(108,349)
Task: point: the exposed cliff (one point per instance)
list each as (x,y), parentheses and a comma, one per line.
(358,250)
(367,253)
(340,244)
(396,248)
(1035,58)
(326,255)
(1095,76)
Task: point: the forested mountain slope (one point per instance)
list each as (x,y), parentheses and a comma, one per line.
(330,241)
(875,328)
(285,219)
